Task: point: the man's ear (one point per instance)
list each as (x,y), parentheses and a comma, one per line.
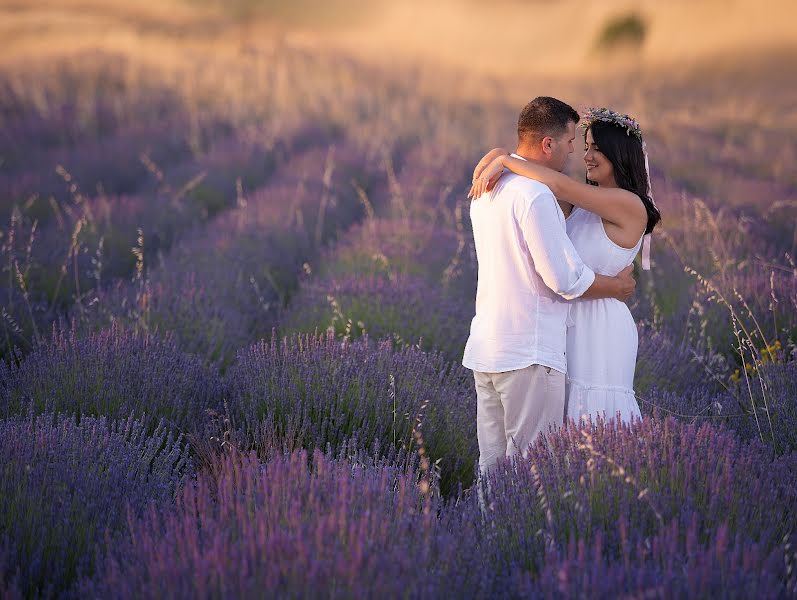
(547,144)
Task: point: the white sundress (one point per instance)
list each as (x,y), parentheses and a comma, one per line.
(602,337)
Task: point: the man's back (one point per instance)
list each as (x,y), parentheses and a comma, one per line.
(519,233)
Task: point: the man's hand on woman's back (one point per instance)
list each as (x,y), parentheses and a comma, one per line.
(626,284)
(621,286)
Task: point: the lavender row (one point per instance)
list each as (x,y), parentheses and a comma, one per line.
(222,286)
(57,104)
(409,275)
(407,309)
(614,508)
(656,507)
(297,526)
(112,374)
(759,406)
(318,392)
(89,244)
(66,487)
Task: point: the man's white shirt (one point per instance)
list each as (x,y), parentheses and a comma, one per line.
(528,270)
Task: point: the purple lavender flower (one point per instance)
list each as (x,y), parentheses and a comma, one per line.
(672,564)
(112,373)
(319,392)
(625,495)
(65,487)
(407,308)
(221,287)
(297,526)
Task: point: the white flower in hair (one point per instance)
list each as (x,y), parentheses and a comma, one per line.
(610,116)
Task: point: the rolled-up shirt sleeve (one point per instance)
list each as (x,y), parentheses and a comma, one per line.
(555,258)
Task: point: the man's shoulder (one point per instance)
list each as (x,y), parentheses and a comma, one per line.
(524,194)
(524,187)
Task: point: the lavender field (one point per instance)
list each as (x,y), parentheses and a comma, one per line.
(237,280)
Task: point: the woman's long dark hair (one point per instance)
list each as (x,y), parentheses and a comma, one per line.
(628,159)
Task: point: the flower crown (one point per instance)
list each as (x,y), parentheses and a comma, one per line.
(610,116)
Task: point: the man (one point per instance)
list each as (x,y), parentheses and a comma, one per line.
(528,269)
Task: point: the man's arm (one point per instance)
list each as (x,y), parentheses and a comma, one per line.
(621,287)
(554,256)
(557,261)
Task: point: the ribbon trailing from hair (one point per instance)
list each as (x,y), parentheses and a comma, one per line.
(646,252)
(647,237)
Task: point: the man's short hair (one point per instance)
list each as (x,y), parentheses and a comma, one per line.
(544,116)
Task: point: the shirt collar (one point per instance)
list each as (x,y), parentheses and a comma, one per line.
(513,155)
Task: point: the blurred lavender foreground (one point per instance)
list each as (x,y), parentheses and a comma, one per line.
(237,278)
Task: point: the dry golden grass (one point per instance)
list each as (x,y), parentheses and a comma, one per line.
(508,38)
(517,38)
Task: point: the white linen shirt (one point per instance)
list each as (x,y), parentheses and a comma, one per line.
(528,269)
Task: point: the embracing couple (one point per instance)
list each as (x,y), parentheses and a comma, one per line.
(552,338)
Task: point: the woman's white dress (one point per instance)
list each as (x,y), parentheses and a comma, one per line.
(602,337)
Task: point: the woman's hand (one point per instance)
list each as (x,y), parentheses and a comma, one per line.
(486,160)
(487,179)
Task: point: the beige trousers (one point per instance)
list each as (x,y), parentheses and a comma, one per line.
(512,408)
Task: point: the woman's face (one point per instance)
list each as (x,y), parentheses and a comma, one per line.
(599,168)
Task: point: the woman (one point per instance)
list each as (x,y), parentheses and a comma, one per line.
(614,211)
